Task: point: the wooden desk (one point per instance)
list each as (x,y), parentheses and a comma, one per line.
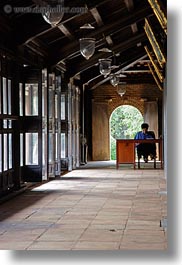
(126,148)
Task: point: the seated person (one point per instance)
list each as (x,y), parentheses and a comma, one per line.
(145,149)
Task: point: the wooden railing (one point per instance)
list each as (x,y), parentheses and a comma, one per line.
(126,151)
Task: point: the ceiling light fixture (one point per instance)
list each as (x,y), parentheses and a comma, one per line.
(121,89)
(104,50)
(87,47)
(53,14)
(114,80)
(122,75)
(87,26)
(105,66)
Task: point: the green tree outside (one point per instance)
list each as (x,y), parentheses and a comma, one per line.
(125,121)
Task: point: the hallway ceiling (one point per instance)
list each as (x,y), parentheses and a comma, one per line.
(118,27)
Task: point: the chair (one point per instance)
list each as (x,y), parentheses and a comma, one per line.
(146,150)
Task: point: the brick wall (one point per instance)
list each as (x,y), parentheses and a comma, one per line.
(105,100)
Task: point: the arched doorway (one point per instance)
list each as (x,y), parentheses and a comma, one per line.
(125,121)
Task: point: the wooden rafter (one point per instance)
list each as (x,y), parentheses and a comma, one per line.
(125,66)
(37,32)
(66,32)
(127,44)
(96,16)
(129,4)
(108,29)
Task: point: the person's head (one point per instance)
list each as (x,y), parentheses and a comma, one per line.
(144,127)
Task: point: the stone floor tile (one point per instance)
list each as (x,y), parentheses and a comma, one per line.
(51,245)
(108,222)
(109,227)
(143,227)
(129,232)
(138,222)
(143,238)
(101,235)
(12,245)
(145,246)
(74,226)
(112,212)
(17,237)
(87,245)
(62,235)
(88,209)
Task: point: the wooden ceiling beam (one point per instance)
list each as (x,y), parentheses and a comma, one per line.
(134,28)
(33,47)
(35,32)
(94,75)
(38,47)
(123,46)
(108,29)
(109,40)
(129,4)
(66,32)
(127,65)
(97,17)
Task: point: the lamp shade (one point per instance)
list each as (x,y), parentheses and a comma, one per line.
(54,12)
(52,18)
(121,89)
(87,47)
(114,80)
(105,66)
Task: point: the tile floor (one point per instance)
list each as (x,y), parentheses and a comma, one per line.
(89,209)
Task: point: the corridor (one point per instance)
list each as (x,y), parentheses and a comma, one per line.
(92,208)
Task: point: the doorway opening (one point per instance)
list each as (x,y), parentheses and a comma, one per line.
(125,121)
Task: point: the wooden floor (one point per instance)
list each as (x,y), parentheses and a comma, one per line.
(92,208)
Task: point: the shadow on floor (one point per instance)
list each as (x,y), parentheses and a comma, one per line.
(111,164)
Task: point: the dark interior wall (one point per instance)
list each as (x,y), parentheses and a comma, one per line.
(100,113)
(151,116)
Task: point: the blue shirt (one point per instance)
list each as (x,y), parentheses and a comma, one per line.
(142,136)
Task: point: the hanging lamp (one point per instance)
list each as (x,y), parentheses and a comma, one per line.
(121,89)
(114,80)
(87,47)
(105,66)
(53,13)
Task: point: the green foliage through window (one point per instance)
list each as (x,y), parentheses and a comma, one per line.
(125,122)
